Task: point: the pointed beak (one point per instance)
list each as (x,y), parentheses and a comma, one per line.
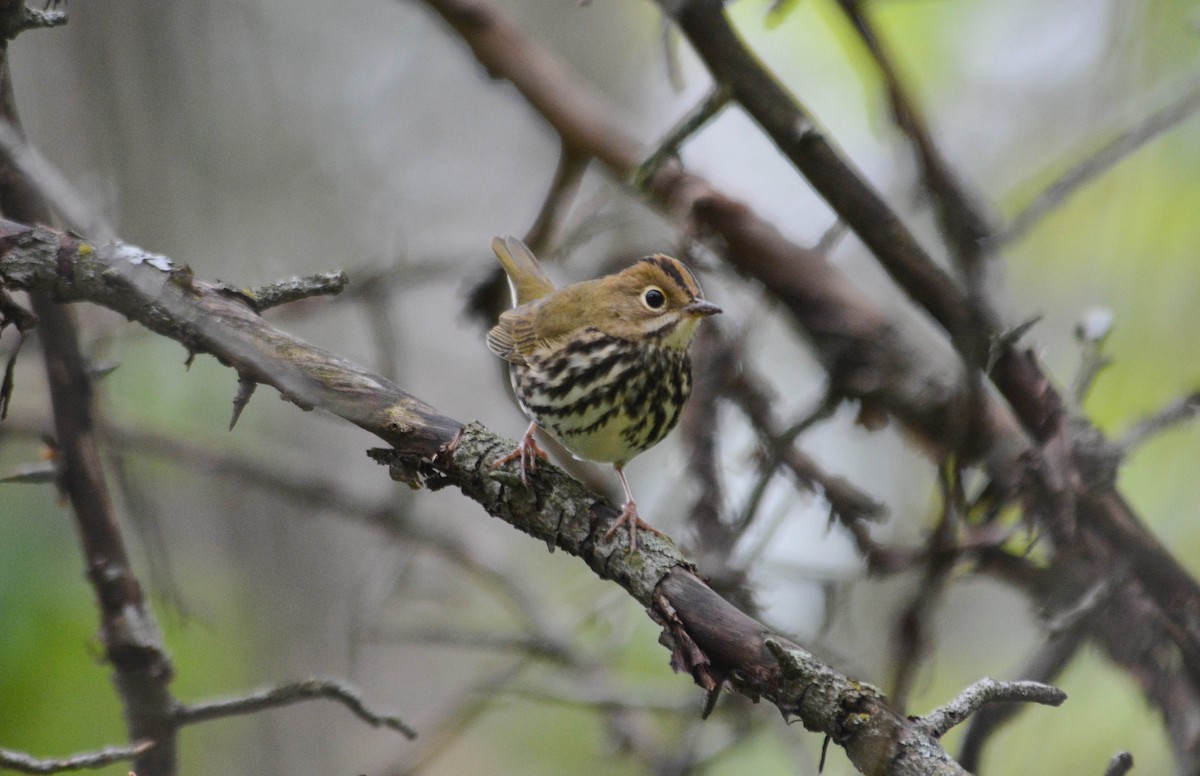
(700,307)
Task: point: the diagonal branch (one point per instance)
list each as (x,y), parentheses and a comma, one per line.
(708,637)
(1104,159)
(961,219)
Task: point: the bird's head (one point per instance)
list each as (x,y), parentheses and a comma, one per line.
(657,299)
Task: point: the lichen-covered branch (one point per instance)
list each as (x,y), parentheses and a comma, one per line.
(708,637)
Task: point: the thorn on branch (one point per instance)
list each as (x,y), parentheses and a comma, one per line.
(1006,339)
(23,763)
(939,721)
(1120,764)
(245,390)
(286,695)
(296,288)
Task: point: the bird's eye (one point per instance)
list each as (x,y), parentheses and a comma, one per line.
(653,297)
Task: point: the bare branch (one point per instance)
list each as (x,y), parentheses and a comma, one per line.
(689,125)
(296,288)
(1107,157)
(961,219)
(132,642)
(286,695)
(1179,411)
(939,721)
(1091,333)
(23,763)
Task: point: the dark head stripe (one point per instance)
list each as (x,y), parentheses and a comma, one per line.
(672,270)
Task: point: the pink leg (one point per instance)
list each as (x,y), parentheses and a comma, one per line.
(527,452)
(629,515)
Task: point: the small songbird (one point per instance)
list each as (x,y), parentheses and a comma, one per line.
(602,365)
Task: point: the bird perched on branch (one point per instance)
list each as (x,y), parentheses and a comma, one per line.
(602,365)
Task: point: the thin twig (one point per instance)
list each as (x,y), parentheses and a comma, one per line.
(1179,411)
(668,147)
(286,695)
(1091,333)
(296,288)
(1107,157)
(939,721)
(23,763)
(572,163)
(961,219)
(912,637)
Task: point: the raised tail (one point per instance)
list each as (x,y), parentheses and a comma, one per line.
(526,277)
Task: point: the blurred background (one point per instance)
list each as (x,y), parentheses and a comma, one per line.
(270,138)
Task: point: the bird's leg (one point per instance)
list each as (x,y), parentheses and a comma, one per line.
(629,514)
(527,452)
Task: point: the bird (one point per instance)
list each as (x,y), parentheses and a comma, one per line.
(600,365)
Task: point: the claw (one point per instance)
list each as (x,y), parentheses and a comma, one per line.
(629,516)
(527,452)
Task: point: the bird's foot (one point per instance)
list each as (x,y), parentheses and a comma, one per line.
(528,453)
(629,516)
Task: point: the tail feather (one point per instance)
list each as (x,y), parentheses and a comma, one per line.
(526,277)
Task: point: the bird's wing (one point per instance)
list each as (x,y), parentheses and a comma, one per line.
(500,339)
(526,277)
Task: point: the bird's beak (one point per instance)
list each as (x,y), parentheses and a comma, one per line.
(699,307)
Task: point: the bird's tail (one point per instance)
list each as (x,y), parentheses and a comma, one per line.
(526,277)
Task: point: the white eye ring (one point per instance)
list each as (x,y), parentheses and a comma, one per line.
(654,298)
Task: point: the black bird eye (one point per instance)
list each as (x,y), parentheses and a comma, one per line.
(653,298)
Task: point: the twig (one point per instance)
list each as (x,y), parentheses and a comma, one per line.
(939,721)
(572,163)
(1091,334)
(1045,666)
(1179,411)
(959,216)
(1109,155)
(1120,764)
(23,763)
(911,639)
(1072,616)
(689,125)
(296,288)
(285,695)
